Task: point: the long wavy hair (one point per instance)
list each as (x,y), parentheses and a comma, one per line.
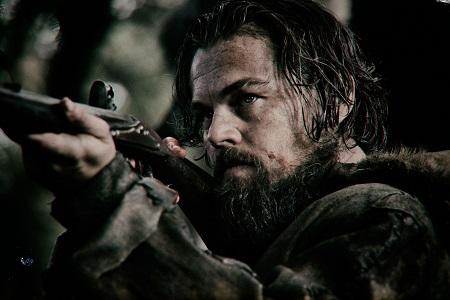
(317,55)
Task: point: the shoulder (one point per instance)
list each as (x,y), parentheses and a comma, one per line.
(364,239)
(357,218)
(359,200)
(357,205)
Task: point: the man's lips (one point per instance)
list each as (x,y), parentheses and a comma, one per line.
(235,169)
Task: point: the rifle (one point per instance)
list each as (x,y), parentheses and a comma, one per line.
(28,112)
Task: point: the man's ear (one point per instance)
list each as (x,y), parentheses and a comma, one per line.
(346,108)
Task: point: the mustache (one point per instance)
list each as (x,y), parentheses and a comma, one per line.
(231,157)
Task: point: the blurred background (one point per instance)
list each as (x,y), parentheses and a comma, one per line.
(59,48)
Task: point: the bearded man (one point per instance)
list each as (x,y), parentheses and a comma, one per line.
(304,204)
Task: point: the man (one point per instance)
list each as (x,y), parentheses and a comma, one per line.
(286,108)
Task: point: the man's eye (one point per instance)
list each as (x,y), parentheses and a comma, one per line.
(203,118)
(207,116)
(248,99)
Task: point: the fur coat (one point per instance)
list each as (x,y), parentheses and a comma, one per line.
(379,232)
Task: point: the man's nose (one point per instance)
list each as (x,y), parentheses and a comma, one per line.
(223,131)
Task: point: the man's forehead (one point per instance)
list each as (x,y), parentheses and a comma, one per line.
(241,56)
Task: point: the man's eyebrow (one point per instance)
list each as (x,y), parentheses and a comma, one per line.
(199,105)
(239,84)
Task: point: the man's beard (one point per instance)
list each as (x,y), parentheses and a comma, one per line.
(254,210)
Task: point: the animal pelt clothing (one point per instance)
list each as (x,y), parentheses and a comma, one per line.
(378,231)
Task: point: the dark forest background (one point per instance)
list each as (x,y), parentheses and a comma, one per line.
(58,48)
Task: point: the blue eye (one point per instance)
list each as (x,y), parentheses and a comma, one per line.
(249,99)
(207,118)
(208,115)
(202,117)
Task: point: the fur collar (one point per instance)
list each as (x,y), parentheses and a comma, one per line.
(421,174)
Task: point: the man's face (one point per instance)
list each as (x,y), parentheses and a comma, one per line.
(246,107)
(255,137)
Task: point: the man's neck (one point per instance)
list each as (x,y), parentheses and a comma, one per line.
(350,156)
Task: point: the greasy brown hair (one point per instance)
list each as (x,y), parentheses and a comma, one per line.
(317,56)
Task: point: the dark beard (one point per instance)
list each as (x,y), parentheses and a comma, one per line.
(254,211)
